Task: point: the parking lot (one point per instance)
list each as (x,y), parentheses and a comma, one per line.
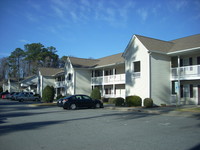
(50,127)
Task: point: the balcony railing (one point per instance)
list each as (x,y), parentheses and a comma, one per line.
(186,73)
(59,84)
(111,79)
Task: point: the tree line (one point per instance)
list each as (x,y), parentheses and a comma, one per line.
(25,62)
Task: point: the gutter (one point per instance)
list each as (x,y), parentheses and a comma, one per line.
(182,51)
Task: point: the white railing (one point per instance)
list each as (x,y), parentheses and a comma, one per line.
(113,95)
(111,79)
(186,72)
(59,84)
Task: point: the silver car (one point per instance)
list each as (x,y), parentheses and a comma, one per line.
(27,97)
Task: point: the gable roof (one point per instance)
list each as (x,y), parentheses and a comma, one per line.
(170,46)
(155,44)
(94,63)
(110,60)
(50,71)
(82,62)
(186,43)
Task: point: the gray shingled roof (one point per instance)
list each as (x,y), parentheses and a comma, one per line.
(92,63)
(186,43)
(51,71)
(170,46)
(155,44)
(82,62)
(109,60)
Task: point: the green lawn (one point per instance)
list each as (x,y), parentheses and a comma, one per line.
(195,109)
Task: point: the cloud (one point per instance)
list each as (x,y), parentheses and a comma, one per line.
(24,41)
(112,12)
(143,13)
(31,17)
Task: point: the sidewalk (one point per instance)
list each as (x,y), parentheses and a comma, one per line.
(155,110)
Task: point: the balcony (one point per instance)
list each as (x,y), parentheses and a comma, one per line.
(106,80)
(186,73)
(59,84)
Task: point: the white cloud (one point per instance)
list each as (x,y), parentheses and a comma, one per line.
(24,41)
(143,13)
(31,17)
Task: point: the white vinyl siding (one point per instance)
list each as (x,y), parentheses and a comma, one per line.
(82,81)
(160,78)
(137,86)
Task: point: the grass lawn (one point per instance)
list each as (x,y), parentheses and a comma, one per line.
(195,109)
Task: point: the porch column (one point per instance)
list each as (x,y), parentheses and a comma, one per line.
(103,92)
(179,83)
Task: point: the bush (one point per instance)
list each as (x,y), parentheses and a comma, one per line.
(148,102)
(105,100)
(111,100)
(59,96)
(133,101)
(119,101)
(48,94)
(95,94)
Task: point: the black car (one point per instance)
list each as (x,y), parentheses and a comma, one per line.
(60,102)
(78,101)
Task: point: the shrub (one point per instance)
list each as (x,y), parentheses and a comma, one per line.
(48,94)
(148,102)
(95,94)
(59,96)
(111,100)
(133,101)
(119,101)
(105,100)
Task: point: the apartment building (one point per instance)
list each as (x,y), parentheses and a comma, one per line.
(166,71)
(108,74)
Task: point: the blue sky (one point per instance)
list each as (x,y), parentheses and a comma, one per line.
(93,28)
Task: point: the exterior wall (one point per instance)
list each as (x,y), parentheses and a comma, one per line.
(160,78)
(69,86)
(137,85)
(83,81)
(48,81)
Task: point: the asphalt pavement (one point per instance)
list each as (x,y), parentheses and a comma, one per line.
(49,128)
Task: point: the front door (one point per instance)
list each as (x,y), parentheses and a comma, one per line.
(198,94)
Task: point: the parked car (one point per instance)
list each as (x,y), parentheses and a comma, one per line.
(78,101)
(4,95)
(60,102)
(27,97)
(14,96)
(9,96)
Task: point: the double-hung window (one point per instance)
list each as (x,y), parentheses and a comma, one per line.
(136,69)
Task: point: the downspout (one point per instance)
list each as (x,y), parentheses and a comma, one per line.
(179,83)
(150,75)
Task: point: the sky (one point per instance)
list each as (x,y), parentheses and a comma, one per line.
(93,28)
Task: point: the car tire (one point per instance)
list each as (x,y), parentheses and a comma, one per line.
(73,106)
(21,100)
(97,105)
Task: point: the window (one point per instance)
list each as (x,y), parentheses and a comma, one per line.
(181,91)
(86,97)
(191,91)
(69,76)
(136,69)
(173,87)
(198,60)
(136,66)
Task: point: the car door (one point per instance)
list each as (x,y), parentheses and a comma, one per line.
(79,101)
(88,101)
